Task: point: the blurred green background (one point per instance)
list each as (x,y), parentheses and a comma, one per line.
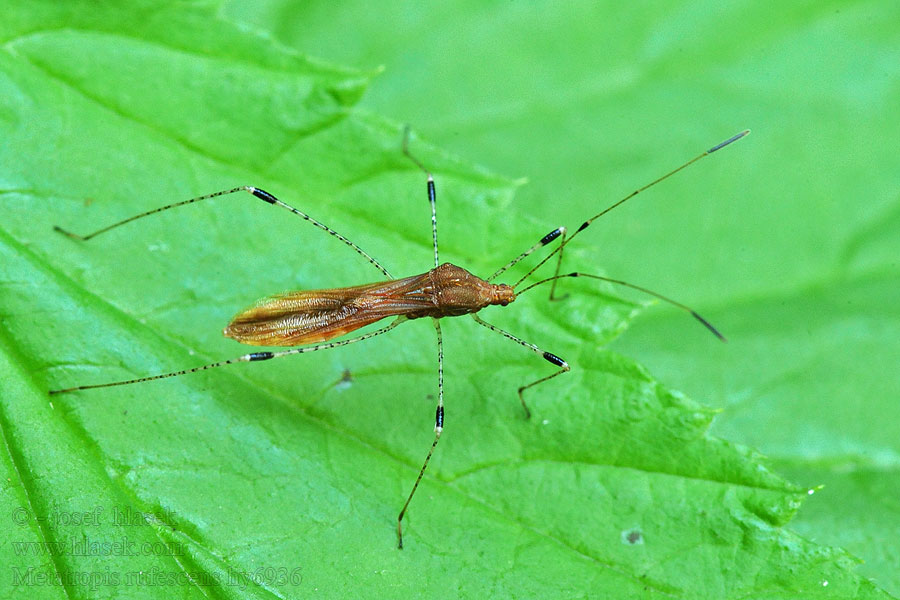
(787,241)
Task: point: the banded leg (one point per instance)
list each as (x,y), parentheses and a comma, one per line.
(559,231)
(258,193)
(430,187)
(252,357)
(438,428)
(551,358)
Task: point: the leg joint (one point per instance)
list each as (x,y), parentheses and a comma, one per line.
(556,360)
(263,195)
(439,418)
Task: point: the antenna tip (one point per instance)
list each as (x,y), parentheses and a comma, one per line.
(69,234)
(733,138)
(709,326)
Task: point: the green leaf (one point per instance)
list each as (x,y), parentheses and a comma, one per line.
(787,246)
(795,246)
(285,478)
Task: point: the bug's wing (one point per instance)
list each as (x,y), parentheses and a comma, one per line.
(308,317)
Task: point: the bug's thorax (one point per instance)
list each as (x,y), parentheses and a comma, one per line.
(456,292)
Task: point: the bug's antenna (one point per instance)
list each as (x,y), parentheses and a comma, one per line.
(251,357)
(674,303)
(431,195)
(586,224)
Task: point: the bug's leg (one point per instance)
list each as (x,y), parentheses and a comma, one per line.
(559,231)
(438,428)
(258,193)
(552,358)
(430,188)
(251,357)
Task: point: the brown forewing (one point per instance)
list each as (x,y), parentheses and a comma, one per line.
(308,317)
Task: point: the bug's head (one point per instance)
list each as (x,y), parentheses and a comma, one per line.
(503,294)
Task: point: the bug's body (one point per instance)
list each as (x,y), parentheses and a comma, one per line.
(313,316)
(308,320)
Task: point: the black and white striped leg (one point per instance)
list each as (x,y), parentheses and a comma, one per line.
(258,193)
(252,357)
(430,188)
(551,358)
(431,200)
(438,428)
(559,231)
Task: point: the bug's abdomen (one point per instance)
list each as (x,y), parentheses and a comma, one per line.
(315,316)
(295,320)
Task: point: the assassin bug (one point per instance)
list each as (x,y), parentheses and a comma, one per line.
(318,316)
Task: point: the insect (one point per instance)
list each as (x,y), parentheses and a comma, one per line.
(309,321)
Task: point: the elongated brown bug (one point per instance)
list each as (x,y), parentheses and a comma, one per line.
(319,316)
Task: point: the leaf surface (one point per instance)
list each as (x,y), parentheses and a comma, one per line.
(285,478)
